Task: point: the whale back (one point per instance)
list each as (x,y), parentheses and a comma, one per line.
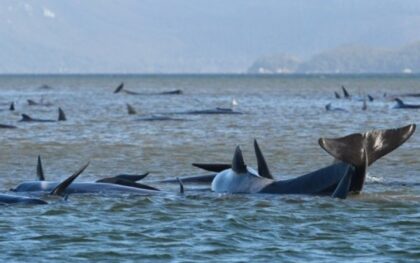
(239,178)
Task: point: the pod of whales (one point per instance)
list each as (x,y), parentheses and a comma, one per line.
(120,88)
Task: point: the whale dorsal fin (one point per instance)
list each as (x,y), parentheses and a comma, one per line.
(370,98)
(131,109)
(238,163)
(12,106)
(132,177)
(119,88)
(328,107)
(40,170)
(399,102)
(213,167)
(337,96)
(31,102)
(60,189)
(262,164)
(61,115)
(26,117)
(345,92)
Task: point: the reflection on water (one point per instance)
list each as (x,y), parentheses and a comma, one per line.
(286,114)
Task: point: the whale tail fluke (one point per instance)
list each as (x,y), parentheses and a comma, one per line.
(40,170)
(61,115)
(362,150)
(119,88)
(377,143)
(61,188)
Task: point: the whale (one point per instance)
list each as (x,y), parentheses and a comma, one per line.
(158,117)
(7,126)
(122,183)
(402,105)
(329,107)
(352,155)
(215,111)
(40,103)
(333,180)
(152,117)
(120,88)
(27,118)
(58,190)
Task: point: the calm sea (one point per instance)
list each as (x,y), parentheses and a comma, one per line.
(285,113)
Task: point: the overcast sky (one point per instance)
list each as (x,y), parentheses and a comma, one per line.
(149,36)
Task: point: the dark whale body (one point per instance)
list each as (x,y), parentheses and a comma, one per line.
(402,105)
(81,188)
(120,88)
(61,117)
(117,184)
(15,199)
(353,154)
(6,126)
(215,111)
(59,189)
(329,107)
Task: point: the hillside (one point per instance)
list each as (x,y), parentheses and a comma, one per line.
(347,59)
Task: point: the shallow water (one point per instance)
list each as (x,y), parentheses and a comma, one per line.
(287,116)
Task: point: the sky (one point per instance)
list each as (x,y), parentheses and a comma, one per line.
(190,36)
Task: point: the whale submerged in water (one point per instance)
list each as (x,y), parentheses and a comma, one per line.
(123,183)
(353,154)
(61,117)
(58,190)
(120,88)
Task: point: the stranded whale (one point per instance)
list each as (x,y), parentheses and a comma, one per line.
(58,190)
(353,154)
(120,183)
(120,88)
(402,105)
(61,117)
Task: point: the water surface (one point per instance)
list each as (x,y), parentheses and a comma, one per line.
(287,116)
